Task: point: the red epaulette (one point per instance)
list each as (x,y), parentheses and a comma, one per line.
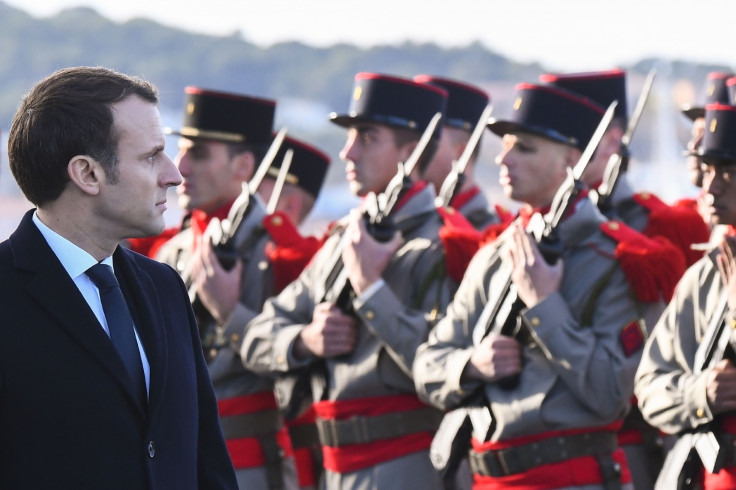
(289,252)
(653,266)
(687,202)
(460,239)
(504,214)
(682,225)
(149,246)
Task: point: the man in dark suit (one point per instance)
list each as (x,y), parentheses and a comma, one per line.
(86,147)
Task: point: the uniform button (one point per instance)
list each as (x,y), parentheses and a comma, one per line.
(645,195)
(700,413)
(276,221)
(369,314)
(535,321)
(612,225)
(235,338)
(151,449)
(262,265)
(213,352)
(280,359)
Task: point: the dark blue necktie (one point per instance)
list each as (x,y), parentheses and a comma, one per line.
(120,323)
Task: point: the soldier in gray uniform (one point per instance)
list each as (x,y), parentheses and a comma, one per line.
(642,444)
(677,391)
(358,342)
(719,87)
(223,139)
(642,211)
(465,104)
(577,341)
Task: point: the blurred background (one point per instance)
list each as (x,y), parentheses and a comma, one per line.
(305,55)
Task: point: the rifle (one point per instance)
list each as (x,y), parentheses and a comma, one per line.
(619,161)
(455,179)
(224,233)
(700,446)
(500,315)
(280,179)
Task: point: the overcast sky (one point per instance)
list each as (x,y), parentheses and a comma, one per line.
(571,35)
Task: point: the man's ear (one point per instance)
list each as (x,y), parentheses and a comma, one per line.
(245,166)
(86,174)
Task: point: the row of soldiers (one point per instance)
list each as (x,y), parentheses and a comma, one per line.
(428,323)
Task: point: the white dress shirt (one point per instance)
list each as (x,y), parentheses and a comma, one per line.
(76,262)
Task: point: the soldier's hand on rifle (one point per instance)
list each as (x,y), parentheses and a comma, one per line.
(364,257)
(721,387)
(727,266)
(534,278)
(496,357)
(332,333)
(216,287)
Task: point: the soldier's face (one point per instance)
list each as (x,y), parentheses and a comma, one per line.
(212,178)
(533,168)
(719,184)
(371,158)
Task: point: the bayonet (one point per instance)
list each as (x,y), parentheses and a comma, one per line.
(454,180)
(280,179)
(619,161)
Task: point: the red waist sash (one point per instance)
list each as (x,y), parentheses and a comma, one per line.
(572,472)
(355,457)
(246,452)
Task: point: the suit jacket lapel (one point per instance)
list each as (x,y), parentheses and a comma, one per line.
(47,282)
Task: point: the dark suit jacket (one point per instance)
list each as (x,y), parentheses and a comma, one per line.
(67,417)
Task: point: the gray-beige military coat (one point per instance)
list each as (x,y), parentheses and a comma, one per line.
(393,322)
(222,342)
(670,392)
(575,372)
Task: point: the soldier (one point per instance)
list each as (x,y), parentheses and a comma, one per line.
(677,390)
(578,341)
(642,444)
(465,104)
(716,90)
(289,252)
(643,211)
(223,138)
(303,181)
(462,237)
(374,430)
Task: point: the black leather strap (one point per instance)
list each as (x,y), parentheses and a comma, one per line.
(362,430)
(522,458)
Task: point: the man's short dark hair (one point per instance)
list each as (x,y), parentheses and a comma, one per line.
(66,114)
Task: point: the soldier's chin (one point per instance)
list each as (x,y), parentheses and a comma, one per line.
(357,189)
